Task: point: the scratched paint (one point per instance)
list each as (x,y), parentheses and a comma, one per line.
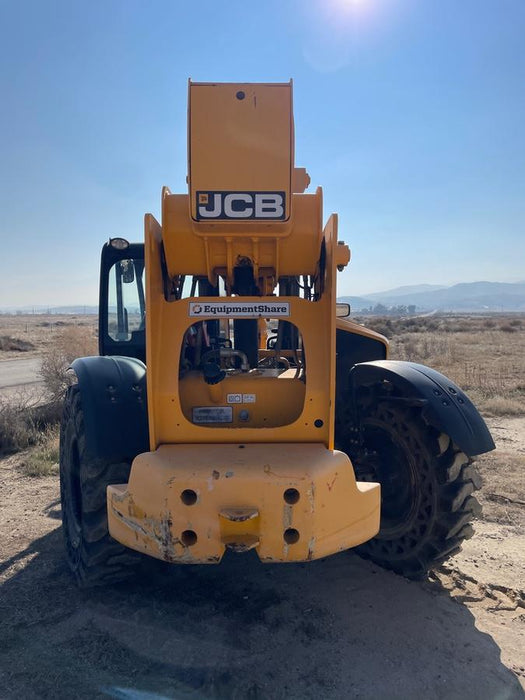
(310,493)
(331,484)
(167,546)
(130,522)
(287,516)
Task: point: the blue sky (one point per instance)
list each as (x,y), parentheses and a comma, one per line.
(409,113)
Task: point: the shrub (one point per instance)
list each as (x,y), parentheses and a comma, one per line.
(72,342)
(17,427)
(9,343)
(24,421)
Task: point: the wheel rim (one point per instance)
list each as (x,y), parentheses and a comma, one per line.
(388,461)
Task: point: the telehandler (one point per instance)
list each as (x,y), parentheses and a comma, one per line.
(234,405)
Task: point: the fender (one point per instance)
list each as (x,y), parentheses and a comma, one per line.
(445,405)
(113,398)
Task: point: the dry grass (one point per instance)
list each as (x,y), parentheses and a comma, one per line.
(43,460)
(485,356)
(500,406)
(502,494)
(41,331)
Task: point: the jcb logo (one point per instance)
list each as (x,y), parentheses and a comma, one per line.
(240,205)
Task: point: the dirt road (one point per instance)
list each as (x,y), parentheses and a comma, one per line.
(19,372)
(337,628)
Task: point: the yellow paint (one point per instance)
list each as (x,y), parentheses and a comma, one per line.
(227,134)
(333,511)
(283,394)
(182,498)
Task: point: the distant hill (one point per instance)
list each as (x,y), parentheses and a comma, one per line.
(466,296)
(406,290)
(39,309)
(357,303)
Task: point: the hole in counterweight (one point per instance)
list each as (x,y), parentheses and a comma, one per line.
(188,497)
(291,535)
(188,538)
(291,496)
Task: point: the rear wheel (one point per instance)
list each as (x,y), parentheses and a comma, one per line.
(426,486)
(94,557)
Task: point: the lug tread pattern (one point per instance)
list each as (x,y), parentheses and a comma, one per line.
(94,557)
(446,480)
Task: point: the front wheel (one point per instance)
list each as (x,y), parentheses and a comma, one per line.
(94,557)
(426,486)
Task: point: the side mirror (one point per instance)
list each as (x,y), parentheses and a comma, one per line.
(342,310)
(127,272)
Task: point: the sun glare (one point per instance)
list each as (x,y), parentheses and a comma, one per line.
(340,9)
(350,4)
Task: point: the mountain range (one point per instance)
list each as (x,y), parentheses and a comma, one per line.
(466,296)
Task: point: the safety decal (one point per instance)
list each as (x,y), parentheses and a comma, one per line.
(240,398)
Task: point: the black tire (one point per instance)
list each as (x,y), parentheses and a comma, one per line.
(426,489)
(94,557)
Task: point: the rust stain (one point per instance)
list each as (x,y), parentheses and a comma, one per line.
(331,484)
(135,512)
(311,548)
(294,477)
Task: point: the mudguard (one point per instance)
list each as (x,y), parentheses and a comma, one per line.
(113,399)
(444,404)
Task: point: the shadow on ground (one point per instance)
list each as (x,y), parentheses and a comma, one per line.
(337,628)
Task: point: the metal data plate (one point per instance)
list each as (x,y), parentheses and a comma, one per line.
(212,414)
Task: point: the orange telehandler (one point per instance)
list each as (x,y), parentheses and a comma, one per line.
(234,404)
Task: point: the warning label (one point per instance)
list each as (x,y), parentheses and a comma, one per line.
(240,398)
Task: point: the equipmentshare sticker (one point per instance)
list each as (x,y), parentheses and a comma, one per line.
(235,309)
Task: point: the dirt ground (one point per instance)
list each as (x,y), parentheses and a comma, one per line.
(336,628)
